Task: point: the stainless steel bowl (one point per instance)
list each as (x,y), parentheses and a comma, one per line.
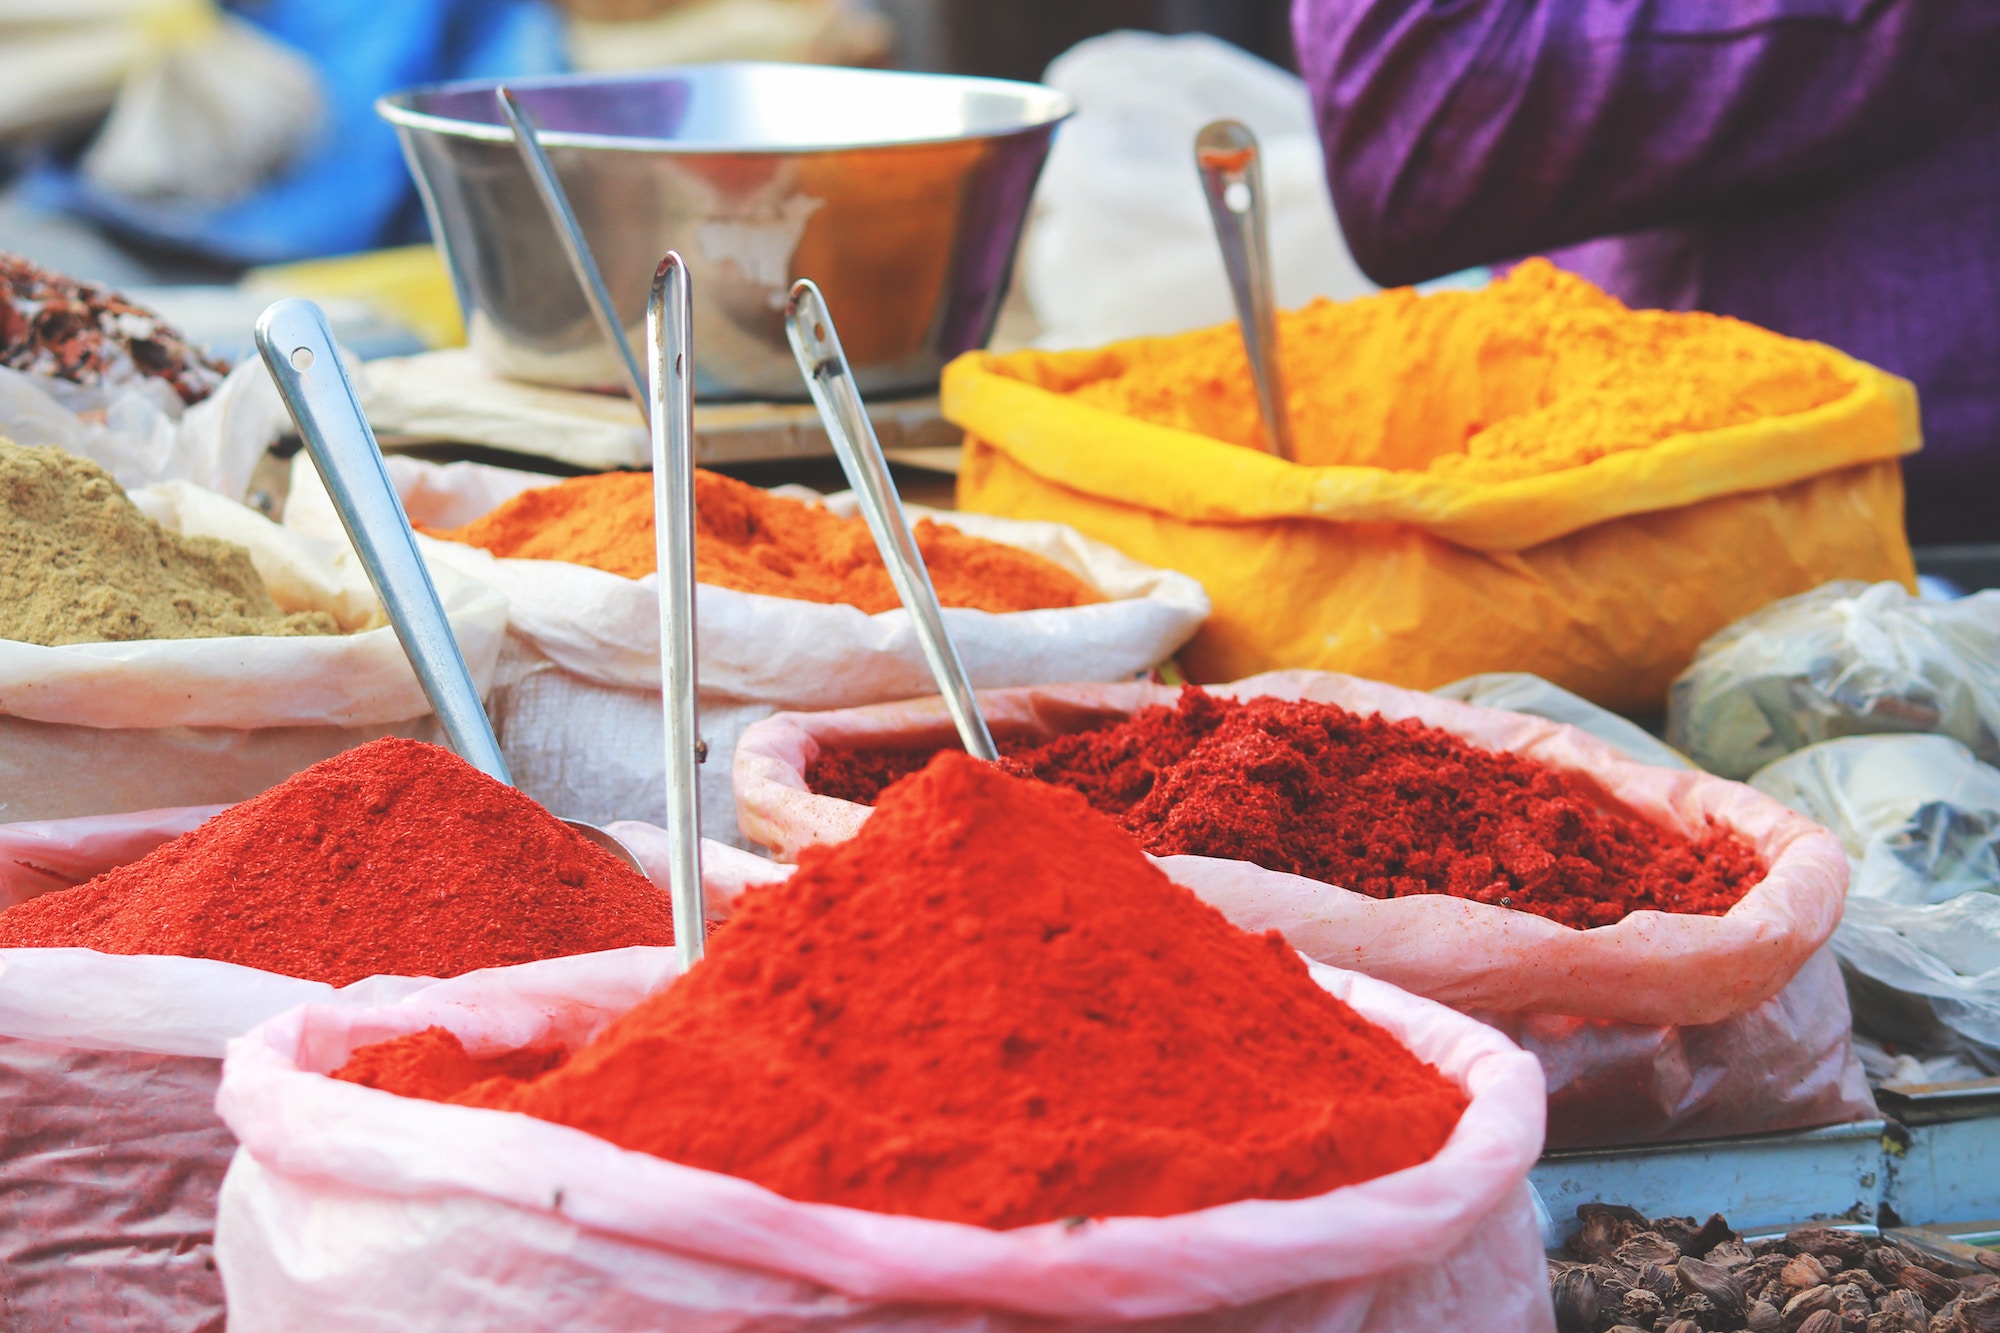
(901,195)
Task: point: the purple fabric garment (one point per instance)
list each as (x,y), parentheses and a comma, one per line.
(1829,169)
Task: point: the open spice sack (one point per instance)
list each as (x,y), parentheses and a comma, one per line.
(895,1096)
(807,619)
(1525,478)
(356,883)
(1718,1015)
(173,647)
(88,371)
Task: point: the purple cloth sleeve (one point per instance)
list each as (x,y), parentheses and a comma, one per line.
(1462,132)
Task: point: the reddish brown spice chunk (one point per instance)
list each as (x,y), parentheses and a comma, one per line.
(988,1007)
(1384,808)
(56,326)
(396,858)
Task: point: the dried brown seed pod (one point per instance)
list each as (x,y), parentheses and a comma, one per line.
(1642,1307)
(1713,1232)
(1811,1301)
(1981,1313)
(1605,1227)
(1660,1281)
(1682,1326)
(1575,1297)
(1648,1247)
(1903,1301)
(1916,1258)
(1870,1285)
(1679,1230)
(1731,1254)
(1936,1291)
(1989,1259)
(1979,1282)
(1701,1309)
(1821,1321)
(1763,1317)
(1836,1249)
(1803,1273)
(1612,1283)
(1885,1262)
(1854,1307)
(1721,1287)
(1946,1319)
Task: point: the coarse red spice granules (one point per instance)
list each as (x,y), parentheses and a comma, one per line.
(395,858)
(56,326)
(988,1007)
(1384,808)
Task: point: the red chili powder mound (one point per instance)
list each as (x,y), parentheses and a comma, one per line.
(433,1064)
(1384,808)
(394,858)
(988,1007)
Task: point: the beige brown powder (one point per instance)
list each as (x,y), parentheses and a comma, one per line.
(79,563)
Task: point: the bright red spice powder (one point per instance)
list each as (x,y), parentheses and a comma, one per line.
(433,1064)
(1384,808)
(395,858)
(988,1007)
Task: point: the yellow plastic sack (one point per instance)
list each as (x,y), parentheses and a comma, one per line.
(1602,578)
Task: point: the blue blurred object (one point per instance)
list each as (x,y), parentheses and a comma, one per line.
(350,190)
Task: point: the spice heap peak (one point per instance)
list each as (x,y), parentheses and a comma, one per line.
(1538,372)
(79,563)
(1384,808)
(396,858)
(753,541)
(989,1007)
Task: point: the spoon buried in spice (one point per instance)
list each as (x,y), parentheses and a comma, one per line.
(670,363)
(816,346)
(1226,155)
(298,348)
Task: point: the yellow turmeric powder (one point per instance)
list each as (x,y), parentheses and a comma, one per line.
(1538,372)
(753,541)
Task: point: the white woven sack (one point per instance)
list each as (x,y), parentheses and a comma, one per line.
(98,727)
(578,708)
(349,1208)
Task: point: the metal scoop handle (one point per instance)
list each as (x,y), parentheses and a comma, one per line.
(298,348)
(817,346)
(669,356)
(582,262)
(1232,178)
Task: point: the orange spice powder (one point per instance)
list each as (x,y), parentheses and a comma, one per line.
(753,541)
(1538,372)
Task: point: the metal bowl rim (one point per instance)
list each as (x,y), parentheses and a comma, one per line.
(1054,106)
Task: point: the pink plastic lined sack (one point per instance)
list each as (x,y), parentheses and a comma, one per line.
(111,1152)
(1661,1026)
(353,1209)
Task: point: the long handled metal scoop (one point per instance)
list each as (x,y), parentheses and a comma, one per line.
(1226,155)
(298,348)
(581,261)
(817,347)
(669,357)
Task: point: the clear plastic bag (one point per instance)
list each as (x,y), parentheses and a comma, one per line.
(1524,692)
(1846,659)
(349,1208)
(142,433)
(1919,817)
(1121,243)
